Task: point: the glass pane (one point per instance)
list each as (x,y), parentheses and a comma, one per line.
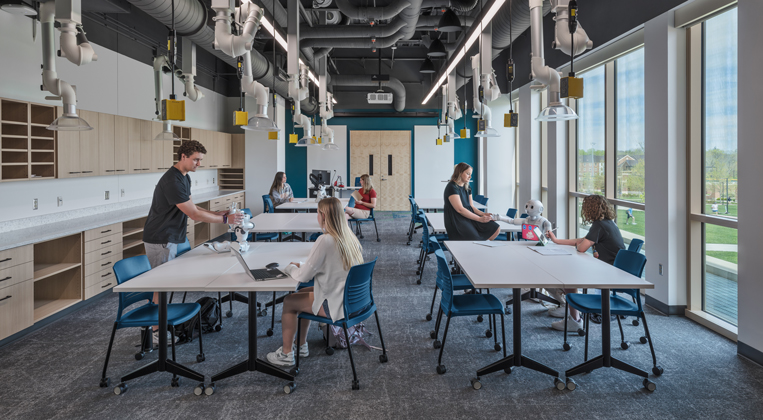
(632,226)
(720,280)
(591,134)
(629,82)
(581,228)
(720,115)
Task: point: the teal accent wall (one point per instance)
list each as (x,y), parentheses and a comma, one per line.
(465,150)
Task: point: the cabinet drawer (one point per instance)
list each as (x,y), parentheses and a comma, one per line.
(16,256)
(16,308)
(99,288)
(216,202)
(102,232)
(103,275)
(101,253)
(16,274)
(102,243)
(107,261)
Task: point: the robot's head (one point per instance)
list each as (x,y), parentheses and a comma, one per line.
(534,208)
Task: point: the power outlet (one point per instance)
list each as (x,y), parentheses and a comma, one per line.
(660,265)
(196,183)
(60,201)
(207,181)
(122,192)
(213,180)
(106,195)
(34,204)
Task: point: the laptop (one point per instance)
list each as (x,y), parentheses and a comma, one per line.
(260,274)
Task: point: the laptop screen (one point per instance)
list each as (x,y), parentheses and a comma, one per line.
(243,264)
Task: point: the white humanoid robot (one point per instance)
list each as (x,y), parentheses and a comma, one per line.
(533,208)
(321,193)
(241,230)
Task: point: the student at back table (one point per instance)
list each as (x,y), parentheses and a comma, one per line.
(362,209)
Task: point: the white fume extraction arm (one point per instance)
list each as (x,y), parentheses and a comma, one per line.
(454,109)
(490,91)
(562,39)
(189,71)
(254,89)
(327,112)
(77,54)
(235,45)
(298,91)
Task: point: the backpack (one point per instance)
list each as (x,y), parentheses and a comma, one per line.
(210,321)
(334,335)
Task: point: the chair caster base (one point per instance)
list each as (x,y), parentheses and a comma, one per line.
(635,323)
(488,333)
(418,273)
(105,382)
(643,340)
(294,371)
(476,384)
(508,370)
(649,385)
(383,358)
(571,385)
(437,344)
(200,358)
(329,351)
(355,385)
(625,345)
(479,318)
(218,328)
(566,346)
(657,370)
(418,281)
(441,369)
(581,332)
(199,389)
(120,389)
(140,356)
(507,310)
(432,334)
(559,384)
(263,312)
(289,388)
(175,382)
(497,347)
(429,317)
(228,314)
(269,333)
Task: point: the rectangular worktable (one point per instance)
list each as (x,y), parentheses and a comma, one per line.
(437,221)
(516,266)
(286,222)
(305,204)
(202,270)
(437,204)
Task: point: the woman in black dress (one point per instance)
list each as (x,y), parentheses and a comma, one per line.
(463,221)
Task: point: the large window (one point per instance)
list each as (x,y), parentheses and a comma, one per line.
(591,135)
(629,137)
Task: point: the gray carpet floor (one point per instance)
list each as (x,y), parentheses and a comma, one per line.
(54,372)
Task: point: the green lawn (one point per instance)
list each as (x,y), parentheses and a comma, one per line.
(724,255)
(638,228)
(721,210)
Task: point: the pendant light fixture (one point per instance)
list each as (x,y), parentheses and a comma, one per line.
(437,49)
(427,67)
(449,22)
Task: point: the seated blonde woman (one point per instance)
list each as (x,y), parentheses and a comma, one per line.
(367,200)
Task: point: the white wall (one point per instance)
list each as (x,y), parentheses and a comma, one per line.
(329,160)
(263,157)
(433,164)
(500,160)
(529,145)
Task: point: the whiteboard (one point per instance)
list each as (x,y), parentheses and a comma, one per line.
(329,160)
(433,164)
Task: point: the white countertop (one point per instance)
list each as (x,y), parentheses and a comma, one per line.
(26,236)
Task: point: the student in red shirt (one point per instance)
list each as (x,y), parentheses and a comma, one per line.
(363,206)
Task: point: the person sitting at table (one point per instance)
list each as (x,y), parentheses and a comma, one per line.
(366,202)
(329,262)
(604,236)
(280,191)
(463,221)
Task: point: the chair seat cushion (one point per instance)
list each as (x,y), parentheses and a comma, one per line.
(460,282)
(267,236)
(591,304)
(440,237)
(466,305)
(146,315)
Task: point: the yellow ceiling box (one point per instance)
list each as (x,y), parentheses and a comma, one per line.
(511,119)
(240,117)
(173,110)
(571,87)
(465,134)
(439,142)
(293,138)
(320,140)
(274,135)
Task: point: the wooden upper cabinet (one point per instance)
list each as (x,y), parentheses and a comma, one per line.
(121,144)
(224,148)
(161,156)
(237,151)
(133,145)
(106,150)
(89,146)
(146,146)
(68,154)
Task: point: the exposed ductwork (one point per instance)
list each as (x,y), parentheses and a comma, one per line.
(235,45)
(355,31)
(426,22)
(189,71)
(374,13)
(394,85)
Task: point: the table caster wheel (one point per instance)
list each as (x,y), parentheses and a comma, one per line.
(294,371)
(566,347)
(476,384)
(643,340)
(635,322)
(624,345)
(139,356)
(329,351)
(571,385)
(488,333)
(105,382)
(508,370)
(437,344)
(441,369)
(218,328)
(228,314)
(383,358)
(649,385)
(581,332)
(175,382)
(200,358)
(264,312)
(289,388)
(657,370)
(120,389)
(497,347)
(408,243)
(378,240)
(559,384)
(269,332)
(209,390)
(479,318)
(355,385)
(418,281)
(432,334)
(199,390)
(429,317)
(508,310)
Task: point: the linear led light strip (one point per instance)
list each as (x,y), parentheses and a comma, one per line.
(269,26)
(469,42)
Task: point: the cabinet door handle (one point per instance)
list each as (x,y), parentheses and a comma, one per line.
(71,173)
(120,170)
(105,264)
(104,243)
(87,172)
(106,285)
(7,278)
(7,297)
(106,231)
(145,169)
(7,259)
(107,274)
(109,170)
(106,253)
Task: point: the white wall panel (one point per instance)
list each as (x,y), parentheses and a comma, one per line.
(329,160)
(500,160)
(433,164)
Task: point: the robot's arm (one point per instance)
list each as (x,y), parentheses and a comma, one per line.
(509,220)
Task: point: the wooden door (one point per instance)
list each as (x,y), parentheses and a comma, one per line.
(364,158)
(395,175)
(134,129)
(121,144)
(89,145)
(68,154)
(106,150)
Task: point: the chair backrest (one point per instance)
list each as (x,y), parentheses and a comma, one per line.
(633,263)
(183,248)
(635,245)
(267,204)
(511,213)
(524,216)
(478,198)
(128,269)
(413,205)
(357,289)
(446,281)
(484,201)
(357,181)
(351,203)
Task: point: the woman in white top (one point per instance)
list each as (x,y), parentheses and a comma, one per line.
(329,262)
(280,191)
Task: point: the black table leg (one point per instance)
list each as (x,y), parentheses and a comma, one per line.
(253,363)
(162,364)
(517,359)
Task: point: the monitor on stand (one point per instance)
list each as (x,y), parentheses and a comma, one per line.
(324,177)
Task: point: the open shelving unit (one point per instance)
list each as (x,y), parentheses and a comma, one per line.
(27,147)
(57,275)
(132,237)
(200,229)
(230,179)
(185,134)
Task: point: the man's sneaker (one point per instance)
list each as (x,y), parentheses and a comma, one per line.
(303,351)
(280,358)
(156,338)
(572,325)
(557,312)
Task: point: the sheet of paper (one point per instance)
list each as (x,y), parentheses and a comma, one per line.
(491,244)
(550,250)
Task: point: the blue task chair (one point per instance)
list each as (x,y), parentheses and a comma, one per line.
(370,218)
(635,245)
(148,314)
(415,219)
(630,262)
(357,181)
(277,301)
(358,306)
(460,282)
(507,236)
(478,198)
(426,240)
(267,204)
(463,305)
(183,248)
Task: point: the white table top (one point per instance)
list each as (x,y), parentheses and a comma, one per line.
(437,220)
(286,222)
(437,204)
(515,266)
(305,204)
(202,270)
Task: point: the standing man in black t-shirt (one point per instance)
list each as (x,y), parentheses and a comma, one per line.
(171,207)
